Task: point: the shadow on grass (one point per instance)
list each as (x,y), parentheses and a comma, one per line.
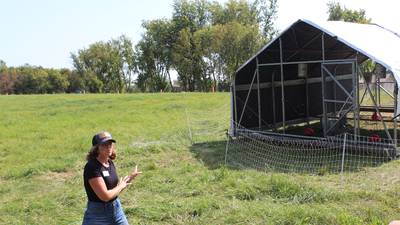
(212,154)
(245,154)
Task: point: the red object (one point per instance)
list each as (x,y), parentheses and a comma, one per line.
(309,131)
(374,138)
(376,117)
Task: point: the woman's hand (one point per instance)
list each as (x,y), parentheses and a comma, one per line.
(134,174)
(124,182)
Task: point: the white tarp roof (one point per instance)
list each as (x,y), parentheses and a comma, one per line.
(379,44)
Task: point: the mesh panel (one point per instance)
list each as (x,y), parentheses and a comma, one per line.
(272,152)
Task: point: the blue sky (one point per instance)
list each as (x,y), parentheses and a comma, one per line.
(45,32)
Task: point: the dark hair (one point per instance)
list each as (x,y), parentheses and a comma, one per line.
(94,152)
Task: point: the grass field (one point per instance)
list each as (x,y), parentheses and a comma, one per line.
(178,141)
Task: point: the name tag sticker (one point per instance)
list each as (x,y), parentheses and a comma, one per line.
(106,173)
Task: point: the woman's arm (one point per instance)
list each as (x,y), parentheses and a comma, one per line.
(99,187)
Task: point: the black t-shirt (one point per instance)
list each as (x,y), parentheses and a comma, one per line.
(94,168)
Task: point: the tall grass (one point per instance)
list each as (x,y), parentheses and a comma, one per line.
(44,140)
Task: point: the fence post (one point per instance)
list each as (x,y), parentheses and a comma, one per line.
(188,124)
(227,147)
(343,154)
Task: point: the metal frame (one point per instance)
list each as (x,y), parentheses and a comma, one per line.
(233,110)
(282,86)
(353,97)
(273,99)
(352,102)
(376,107)
(247,98)
(376,98)
(313,80)
(395,91)
(258,95)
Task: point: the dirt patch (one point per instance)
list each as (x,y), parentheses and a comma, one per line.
(57,176)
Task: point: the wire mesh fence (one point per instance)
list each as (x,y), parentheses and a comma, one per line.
(210,126)
(288,153)
(276,152)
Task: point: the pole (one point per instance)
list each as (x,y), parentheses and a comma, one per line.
(307,100)
(188,124)
(258,96)
(273,99)
(394,113)
(235,105)
(247,98)
(324,116)
(282,87)
(226,148)
(343,155)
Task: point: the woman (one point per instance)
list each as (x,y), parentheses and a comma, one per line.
(101,183)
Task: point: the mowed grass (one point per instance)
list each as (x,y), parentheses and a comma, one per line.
(178,141)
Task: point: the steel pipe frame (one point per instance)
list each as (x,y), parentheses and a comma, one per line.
(342,115)
(354,97)
(324,117)
(344,104)
(377,108)
(334,79)
(332,61)
(386,91)
(379,91)
(258,95)
(395,92)
(281,63)
(273,99)
(233,109)
(313,80)
(247,98)
(346,61)
(356,110)
(377,103)
(282,86)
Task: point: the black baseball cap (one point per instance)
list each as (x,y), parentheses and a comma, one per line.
(101,138)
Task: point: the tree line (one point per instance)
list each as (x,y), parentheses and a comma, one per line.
(203,43)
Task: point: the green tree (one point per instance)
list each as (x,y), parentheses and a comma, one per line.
(32,80)
(84,77)
(188,17)
(204,42)
(267,11)
(238,43)
(127,60)
(75,82)
(155,56)
(184,59)
(240,11)
(112,62)
(152,69)
(3,66)
(57,82)
(341,13)
(193,15)
(207,40)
